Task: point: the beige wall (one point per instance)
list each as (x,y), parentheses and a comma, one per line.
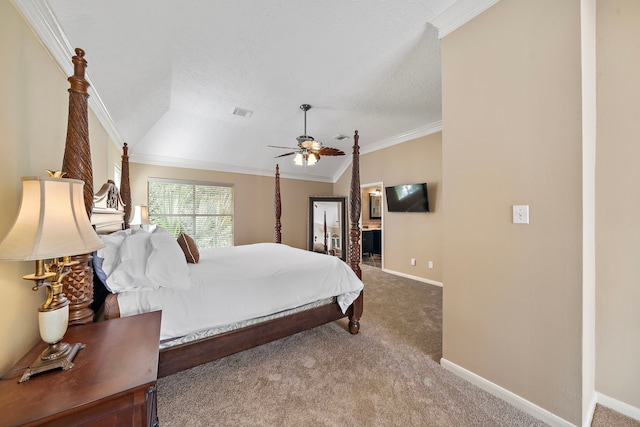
(512,298)
(618,201)
(254,216)
(34,106)
(407,235)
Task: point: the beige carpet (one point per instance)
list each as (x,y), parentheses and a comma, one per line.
(374,260)
(387,375)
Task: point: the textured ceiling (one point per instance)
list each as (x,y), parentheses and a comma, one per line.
(169,74)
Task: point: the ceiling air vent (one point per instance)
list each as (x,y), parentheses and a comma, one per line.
(340,137)
(242,112)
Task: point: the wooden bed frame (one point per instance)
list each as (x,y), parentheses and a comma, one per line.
(184,356)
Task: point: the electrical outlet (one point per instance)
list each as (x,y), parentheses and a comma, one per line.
(430,264)
(413,261)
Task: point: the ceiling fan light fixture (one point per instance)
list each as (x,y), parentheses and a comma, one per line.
(305,140)
(311,159)
(298,159)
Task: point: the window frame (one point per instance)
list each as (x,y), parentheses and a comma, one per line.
(194,215)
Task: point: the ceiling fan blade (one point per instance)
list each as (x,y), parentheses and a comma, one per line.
(284,155)
(329,151)
(278,146)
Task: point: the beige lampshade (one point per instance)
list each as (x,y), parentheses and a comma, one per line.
(140,216)
(52,222)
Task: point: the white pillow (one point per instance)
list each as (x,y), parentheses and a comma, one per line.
(111,249)
(129,273)
(166,264)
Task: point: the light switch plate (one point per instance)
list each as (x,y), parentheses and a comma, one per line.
(521,214)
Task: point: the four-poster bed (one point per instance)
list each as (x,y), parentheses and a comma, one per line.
(191,353)
(185,355)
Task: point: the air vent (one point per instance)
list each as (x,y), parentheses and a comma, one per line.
(340,137)
(242,112)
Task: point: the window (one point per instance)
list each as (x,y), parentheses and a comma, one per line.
(202,210)
(117,176)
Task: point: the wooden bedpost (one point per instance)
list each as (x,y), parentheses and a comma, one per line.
(355,203)
(278,208)
(77,152)
(76,163)
(125,187)
(324,234)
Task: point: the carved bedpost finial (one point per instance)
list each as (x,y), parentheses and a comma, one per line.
(79,63)
(278,208)
(78,82)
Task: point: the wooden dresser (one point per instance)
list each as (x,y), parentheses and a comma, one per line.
(112,383)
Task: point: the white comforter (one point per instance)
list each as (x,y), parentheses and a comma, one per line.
(234,284)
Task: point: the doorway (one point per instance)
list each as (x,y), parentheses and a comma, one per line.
(371,221)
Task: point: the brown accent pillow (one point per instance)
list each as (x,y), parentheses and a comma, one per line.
(188,246)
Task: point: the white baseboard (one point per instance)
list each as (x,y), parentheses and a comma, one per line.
(618,406)
(409,276)
(504,394)
(592,409)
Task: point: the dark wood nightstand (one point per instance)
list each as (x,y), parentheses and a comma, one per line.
(112,383)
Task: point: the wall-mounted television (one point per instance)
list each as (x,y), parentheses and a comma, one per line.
(407,198)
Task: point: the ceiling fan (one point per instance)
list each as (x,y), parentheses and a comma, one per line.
(309,150)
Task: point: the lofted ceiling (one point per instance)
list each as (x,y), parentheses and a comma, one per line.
(167,75)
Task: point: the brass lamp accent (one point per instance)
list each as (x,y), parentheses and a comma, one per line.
(51,224)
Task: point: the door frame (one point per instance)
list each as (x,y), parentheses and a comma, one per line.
(362,187)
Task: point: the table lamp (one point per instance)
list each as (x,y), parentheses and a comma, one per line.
(52,224)
(141,219)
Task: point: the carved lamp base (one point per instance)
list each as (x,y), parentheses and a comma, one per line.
(55,356)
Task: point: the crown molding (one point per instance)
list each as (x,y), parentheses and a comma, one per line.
(403,137)
(39,16)
(219,167)
(458,14)
(388,142)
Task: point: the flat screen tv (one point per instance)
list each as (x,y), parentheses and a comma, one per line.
(407,198)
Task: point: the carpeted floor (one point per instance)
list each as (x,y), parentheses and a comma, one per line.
(387,375)
(374,260)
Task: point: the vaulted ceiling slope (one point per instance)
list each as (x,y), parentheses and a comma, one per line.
(167,75)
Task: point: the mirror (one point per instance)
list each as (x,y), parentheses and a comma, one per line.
(375,206)
(327,226)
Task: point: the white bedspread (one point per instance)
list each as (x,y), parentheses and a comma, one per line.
(244,282)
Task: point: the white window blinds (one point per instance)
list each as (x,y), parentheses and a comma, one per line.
(202,210)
